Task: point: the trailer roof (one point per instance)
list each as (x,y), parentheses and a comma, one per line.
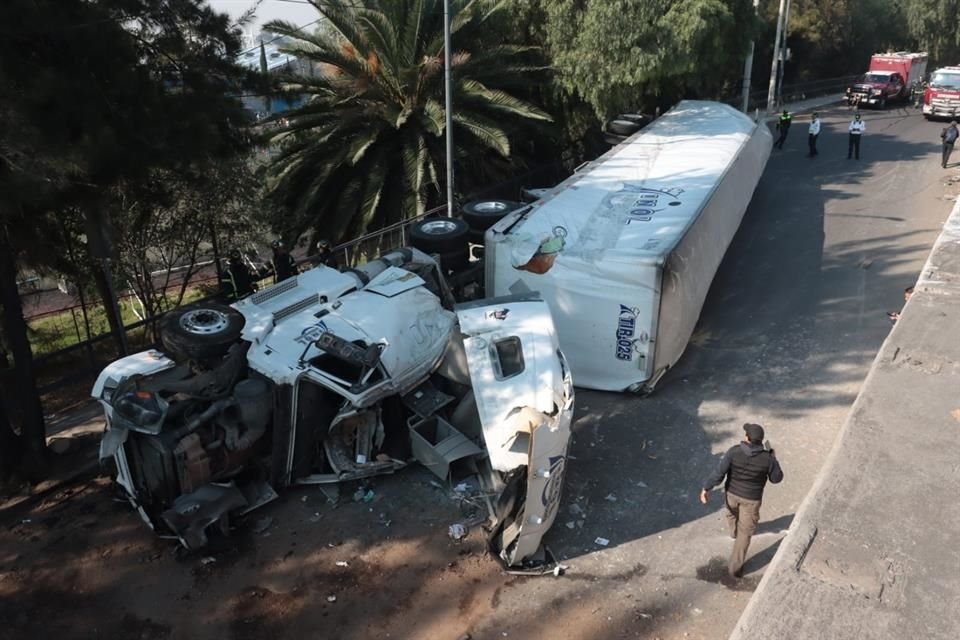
(637,200)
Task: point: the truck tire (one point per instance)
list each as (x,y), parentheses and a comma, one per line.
(483,214)
(200,331)
(439,235)
(623,127)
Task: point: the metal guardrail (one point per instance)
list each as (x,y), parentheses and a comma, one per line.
(795,92)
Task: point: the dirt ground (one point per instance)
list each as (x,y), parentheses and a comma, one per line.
(81,564)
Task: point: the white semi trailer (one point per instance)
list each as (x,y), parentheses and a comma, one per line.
(624,251)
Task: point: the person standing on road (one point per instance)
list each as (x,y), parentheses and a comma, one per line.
(814,132)
(744,469)
(856,129)
(283,263)
(783,126)
(949,137)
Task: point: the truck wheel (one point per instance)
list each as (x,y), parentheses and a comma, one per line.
(483,214)
(439,235)
(201,331)
(623,127)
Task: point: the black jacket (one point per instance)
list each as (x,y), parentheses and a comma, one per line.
(284,265)
(747,467)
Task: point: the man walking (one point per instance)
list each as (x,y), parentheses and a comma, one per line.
(747,467)
(783,126)
(949,137)
(813,133)
(856,129)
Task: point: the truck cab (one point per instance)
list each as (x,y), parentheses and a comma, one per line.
(941,98)
(330,377)
(876,88)
(889,77)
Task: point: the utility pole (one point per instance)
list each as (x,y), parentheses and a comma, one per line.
(448,99)
(783,53)
(748,67)
(772,90)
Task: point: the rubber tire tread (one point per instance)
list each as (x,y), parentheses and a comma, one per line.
(623,127)
(483,220)
(183,345)
(440,243)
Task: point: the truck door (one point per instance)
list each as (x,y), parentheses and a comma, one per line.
(524,396)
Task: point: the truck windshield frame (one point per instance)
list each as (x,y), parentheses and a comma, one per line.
(948,81)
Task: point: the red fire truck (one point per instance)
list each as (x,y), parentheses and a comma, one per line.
(889,78)
(942,95)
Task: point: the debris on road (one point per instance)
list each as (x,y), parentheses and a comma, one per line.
(457,532)
(601,541)
(207,560)
(343,563)
(331,598)
(610,497)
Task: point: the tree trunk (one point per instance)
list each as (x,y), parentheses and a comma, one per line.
(99,245)
(33,436)
(11,449)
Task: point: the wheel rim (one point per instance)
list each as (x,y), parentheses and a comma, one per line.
(204,321)
(492,206)
(438,227)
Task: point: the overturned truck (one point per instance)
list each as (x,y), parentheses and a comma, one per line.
(328,377)
(624,251)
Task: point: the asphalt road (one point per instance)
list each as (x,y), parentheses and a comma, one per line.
(793,321)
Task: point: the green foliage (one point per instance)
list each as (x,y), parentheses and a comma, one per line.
(936,26)
(616,53)
(830,38)
(367,148)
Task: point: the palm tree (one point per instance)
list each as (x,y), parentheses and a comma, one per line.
(366,148)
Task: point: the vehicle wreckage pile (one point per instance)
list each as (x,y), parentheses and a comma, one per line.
(330,377)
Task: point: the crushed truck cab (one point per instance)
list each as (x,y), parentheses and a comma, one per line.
(329,377)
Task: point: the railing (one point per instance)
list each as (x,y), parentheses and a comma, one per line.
(795,92)
(374,243)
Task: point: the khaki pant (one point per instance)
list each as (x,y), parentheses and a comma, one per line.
(742,518)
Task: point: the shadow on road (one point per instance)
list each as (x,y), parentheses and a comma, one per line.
(788,329)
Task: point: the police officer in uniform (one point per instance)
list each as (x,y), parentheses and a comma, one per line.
(813,134)
(856,129)
(783,126)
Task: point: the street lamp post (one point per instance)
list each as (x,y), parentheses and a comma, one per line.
(448,106)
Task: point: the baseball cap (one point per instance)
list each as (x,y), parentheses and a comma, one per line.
(754,432)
